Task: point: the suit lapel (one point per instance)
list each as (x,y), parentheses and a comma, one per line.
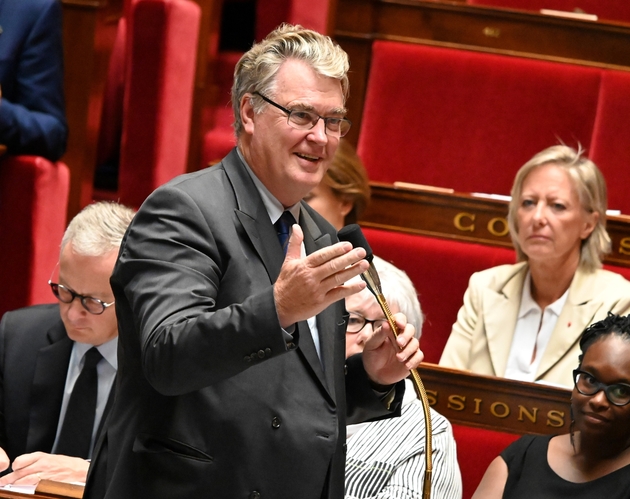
(259,230)
(315,239)
(499,317)
(49,381)
(577,313)
(253,216)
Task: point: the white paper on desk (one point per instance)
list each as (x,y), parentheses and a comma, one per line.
(22,489)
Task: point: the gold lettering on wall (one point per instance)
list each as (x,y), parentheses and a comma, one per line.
(456,402)
(555,418)
(498,226)
(522,411)
(624,246)
(491,32)
(477,406)
(458,221)
(432,397)
(503,413)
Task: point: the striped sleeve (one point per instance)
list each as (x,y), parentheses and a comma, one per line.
(386,459)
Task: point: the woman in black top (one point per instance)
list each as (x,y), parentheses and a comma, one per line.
(594,459)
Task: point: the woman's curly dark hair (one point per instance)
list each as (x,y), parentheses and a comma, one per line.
(612,324)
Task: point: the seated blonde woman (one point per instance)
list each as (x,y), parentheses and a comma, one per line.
(524,321)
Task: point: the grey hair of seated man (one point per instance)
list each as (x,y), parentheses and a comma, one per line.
(98,228)
(399,290)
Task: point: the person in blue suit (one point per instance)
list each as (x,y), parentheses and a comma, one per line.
(32,108)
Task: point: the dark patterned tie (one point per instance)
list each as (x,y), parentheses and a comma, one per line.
(76,432)
(283,228)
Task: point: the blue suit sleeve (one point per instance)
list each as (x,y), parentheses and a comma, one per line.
(32,108)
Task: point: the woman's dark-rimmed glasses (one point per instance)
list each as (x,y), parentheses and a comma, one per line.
(617,394)
(356,322)
(66,295)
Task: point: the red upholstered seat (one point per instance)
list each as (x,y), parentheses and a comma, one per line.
(476,449)
(613,10)
(33,205)
(611,137)
(147,121)
(440,270)
(469,120)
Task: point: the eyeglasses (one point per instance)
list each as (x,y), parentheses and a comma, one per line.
(357,322)
(306,120)
(617,394)
(66,295)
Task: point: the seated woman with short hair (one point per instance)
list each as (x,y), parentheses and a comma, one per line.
(523,321)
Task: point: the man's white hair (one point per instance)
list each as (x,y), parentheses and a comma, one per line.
(98,228)
(399,290)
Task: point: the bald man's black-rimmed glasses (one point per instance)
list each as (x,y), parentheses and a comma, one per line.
(306,120)
(66,295)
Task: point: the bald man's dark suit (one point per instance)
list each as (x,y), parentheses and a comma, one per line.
(34,356)
(212,400)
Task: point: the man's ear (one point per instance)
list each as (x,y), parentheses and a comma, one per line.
(247,114)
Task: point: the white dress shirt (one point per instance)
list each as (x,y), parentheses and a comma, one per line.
(531,334)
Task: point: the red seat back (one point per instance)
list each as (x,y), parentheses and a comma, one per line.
(440,270)
(33,205)
(155,50)
(476,449)
(468,120)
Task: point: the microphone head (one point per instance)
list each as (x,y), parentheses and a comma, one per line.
(354,235)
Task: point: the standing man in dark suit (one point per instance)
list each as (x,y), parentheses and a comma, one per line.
(43,350)
(232,379)
(32,109)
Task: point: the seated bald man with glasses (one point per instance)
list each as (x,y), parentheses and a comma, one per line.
(58,362)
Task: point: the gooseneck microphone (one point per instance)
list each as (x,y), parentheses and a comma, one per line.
(352,233)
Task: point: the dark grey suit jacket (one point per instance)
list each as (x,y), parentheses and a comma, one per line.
(211,399)
(34,356)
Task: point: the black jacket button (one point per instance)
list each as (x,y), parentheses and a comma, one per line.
(275,422)
(254,495)
(261,354)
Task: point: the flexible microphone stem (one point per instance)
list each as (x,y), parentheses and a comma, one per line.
(353,234)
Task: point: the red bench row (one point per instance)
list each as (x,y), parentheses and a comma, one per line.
(469,120)
(609,10)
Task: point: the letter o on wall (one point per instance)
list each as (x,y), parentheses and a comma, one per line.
(502,229)
(504,412)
